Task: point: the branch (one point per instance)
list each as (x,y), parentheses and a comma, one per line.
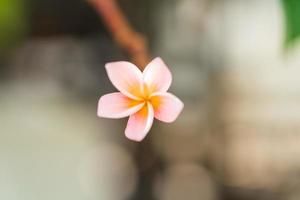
(132,42)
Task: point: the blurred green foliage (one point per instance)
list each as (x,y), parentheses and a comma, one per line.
(12,22)
(292,20)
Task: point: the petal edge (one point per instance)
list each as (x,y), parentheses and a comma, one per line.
(157,76)
(116,105)
(167,106)
(139,124)
(126,77)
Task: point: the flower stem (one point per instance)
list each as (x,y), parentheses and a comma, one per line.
(133,43)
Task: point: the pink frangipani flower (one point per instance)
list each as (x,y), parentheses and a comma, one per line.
(143,96)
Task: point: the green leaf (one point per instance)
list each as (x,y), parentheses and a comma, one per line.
(12,22)
(292,21)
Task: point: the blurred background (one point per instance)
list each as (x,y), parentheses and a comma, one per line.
(236,66)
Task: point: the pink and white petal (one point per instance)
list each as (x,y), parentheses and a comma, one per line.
(126,77)
(139,124)
(116,105)
(166,106)
(157,76)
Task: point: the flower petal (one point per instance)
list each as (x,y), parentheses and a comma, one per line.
(126,77)
(116,105)
(157,76)
(166,106)
(140,123)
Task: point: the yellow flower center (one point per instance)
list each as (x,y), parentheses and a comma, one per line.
(144,95)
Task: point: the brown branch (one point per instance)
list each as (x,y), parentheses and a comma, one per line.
(132,42)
